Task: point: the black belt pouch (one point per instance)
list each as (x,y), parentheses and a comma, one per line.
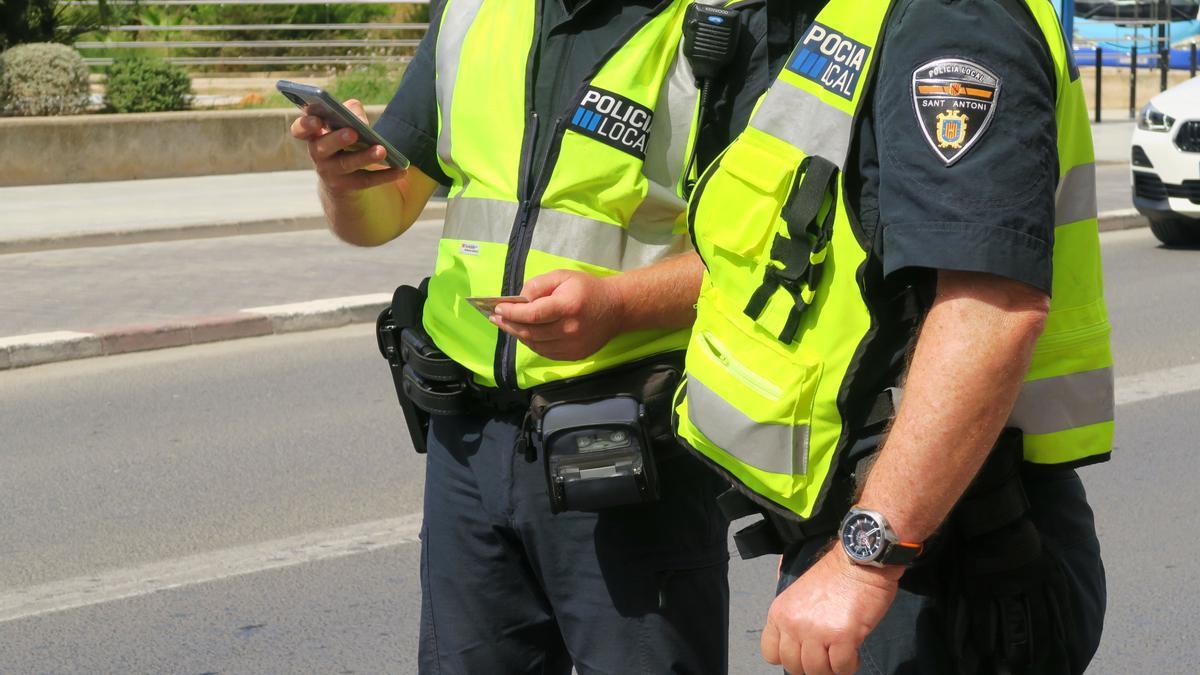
(600,436)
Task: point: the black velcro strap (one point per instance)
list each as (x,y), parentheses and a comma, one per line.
(435,398)
(883,410)
(792,325)
(758,539)
(734,504)
(762,294)
(418,352)
(813,180)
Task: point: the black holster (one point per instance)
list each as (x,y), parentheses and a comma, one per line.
(426,380)
(1008,604)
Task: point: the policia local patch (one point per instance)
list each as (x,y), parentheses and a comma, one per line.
(954,100)
(613,120)
(830,59)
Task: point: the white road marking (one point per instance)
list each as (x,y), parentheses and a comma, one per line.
(1158,383)
(95,589)
(354,539)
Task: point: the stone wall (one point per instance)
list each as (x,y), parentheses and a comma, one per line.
(87,148)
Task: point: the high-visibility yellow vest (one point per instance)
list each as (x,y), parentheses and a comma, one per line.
(608,199)
(783,315)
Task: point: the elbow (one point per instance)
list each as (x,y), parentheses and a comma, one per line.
(1026,310)
(1029,323)
(356,237)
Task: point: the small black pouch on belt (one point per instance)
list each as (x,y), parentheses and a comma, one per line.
(599,434)
(1008,602)
(426,380)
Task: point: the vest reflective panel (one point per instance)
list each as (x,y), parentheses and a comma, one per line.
(608,200)
(781,325)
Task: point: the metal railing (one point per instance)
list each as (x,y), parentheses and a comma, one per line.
(364,50)
(248,2)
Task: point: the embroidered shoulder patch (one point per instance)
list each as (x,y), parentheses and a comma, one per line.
(613,120)
(954,100)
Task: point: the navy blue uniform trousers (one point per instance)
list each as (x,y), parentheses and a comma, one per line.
(508,587)
(912,638)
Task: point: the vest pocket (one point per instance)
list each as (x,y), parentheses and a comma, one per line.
(750,398)
(746,189)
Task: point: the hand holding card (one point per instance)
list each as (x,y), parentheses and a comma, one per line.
(487,305)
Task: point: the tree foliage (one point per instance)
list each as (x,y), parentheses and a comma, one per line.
(25,21)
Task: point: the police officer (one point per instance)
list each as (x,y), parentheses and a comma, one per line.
(562,129)
(901,350)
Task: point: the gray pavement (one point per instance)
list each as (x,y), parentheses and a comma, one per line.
(1111,138)
(109,464)
(87,288)
(52,211)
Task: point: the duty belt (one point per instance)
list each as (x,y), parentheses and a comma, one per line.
(434,382)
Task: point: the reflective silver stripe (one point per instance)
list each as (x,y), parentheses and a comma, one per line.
(566,235)
(805,121)
(674,113)
(1076,198)
(774,448)
(486,220)
(1066,402)
(459,15)
(671,129)
(604,244)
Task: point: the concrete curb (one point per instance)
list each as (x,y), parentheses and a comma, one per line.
(40,348)
(1122,219)
(434,211)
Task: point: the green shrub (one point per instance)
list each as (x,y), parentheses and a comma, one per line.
(44,79)
(147,84)
(376,83)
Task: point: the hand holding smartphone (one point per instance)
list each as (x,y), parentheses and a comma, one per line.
(316,101)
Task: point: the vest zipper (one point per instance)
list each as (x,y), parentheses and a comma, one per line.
(530,192)
(518,248)
(522,240)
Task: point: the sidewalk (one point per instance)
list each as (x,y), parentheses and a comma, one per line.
(48,217)
(1112,137)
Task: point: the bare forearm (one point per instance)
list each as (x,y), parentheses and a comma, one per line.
(376,215)
(660,296)
(965,375)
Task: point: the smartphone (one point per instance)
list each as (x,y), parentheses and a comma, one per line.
(487,305)
(316,101)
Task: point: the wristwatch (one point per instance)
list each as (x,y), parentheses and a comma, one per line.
(868,540)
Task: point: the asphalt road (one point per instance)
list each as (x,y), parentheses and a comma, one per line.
(265,490)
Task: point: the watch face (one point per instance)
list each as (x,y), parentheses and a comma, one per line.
(862,537)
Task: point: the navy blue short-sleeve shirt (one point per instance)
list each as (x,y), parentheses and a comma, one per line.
(970,188)
(986,205)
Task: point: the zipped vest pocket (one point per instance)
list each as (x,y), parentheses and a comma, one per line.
(750,398)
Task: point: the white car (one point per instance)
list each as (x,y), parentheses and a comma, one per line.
(1166,164)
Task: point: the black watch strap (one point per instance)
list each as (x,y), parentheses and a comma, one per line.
(901,553)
